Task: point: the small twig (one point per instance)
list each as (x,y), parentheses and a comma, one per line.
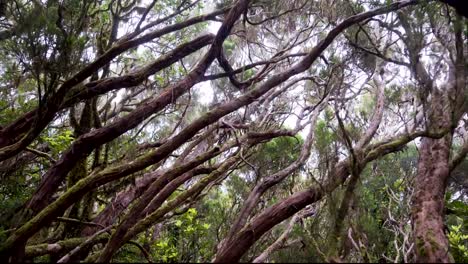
(41,154)
(67,257)
(350,236)
(279,243)
(142,249)
(76,221)
(7,231)
(318,249)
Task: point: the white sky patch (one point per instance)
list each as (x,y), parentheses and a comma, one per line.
(214,26)
(291,120)
(206,92)
(118,98)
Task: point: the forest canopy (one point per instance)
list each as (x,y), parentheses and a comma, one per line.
(233,131)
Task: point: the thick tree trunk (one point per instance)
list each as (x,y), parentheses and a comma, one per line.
(445,106)
(428,202)
(431,244)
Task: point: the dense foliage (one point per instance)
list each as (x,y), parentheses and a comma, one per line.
(225,131)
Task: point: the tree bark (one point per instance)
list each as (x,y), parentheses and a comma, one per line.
(428,201)
(428,214)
